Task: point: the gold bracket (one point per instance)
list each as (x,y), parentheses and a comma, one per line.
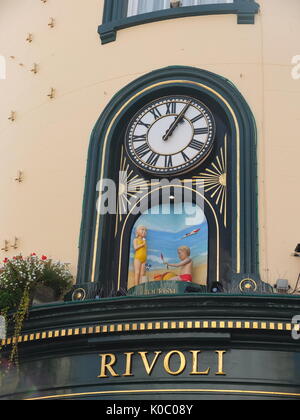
(34,69)
(29,38)
(16,244)
(6,246)
(12,117)
(51,95)
(20,177)
(51,24)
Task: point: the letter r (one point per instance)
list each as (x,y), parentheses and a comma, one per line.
(107,366)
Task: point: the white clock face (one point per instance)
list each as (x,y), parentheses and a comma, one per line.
(171,135)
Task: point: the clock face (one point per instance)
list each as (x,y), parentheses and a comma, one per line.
(171,135)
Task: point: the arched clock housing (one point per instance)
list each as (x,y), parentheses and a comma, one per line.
(193,129)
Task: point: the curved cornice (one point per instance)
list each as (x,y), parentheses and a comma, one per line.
(114,12)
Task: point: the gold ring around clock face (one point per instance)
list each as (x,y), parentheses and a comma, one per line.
(170,135)
(248,285)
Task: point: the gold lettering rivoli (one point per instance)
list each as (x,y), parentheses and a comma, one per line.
(167,82)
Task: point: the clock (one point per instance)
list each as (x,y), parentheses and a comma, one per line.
(171,135)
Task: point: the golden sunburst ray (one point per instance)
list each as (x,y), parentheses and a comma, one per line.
(130,188)
(214,181)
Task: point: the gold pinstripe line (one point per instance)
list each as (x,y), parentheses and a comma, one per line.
(140,391)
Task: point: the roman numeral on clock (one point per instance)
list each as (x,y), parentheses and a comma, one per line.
(142,150)
(199,117)
(168,162)
(197,145)
(156,114)
(171,108)
(199,131)
(185,157)
(136,139)
(153,159)
(144,124)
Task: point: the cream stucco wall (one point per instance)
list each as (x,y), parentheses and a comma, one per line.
(49,139)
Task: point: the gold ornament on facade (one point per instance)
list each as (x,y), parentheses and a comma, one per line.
(130,187)
(6,246)
(34,68)
(51,23)
(214,181)
(51,95)
(29,38)
(12,116)
(79,295)
(16,243)
(20,177)
(248,285)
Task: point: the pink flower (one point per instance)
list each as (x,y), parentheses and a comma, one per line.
(6,261)
(33,254)
(44,258)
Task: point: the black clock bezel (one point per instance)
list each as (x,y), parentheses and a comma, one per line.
(178,170)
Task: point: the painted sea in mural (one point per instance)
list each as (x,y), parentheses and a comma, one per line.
(167,230)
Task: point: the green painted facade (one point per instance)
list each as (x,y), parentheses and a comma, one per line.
(62,347)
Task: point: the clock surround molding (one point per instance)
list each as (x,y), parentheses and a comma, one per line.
(244,218)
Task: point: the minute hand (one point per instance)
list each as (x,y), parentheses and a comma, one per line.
(176,122)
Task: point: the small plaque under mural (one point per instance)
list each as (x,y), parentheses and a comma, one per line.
(171,287)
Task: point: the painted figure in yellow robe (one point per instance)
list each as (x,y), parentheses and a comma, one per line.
(140,256)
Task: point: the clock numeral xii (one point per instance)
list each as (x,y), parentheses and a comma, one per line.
(171,108)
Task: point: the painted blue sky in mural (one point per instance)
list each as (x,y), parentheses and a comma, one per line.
(166,233)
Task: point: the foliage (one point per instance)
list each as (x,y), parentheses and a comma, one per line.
(18,279)
(57,276)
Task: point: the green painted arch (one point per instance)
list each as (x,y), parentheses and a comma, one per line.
(101,151)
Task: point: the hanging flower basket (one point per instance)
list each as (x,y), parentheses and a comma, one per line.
(30,281)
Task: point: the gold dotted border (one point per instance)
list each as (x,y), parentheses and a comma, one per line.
(150,326)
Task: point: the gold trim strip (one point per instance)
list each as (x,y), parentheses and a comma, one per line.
(143,391)
(153,326)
